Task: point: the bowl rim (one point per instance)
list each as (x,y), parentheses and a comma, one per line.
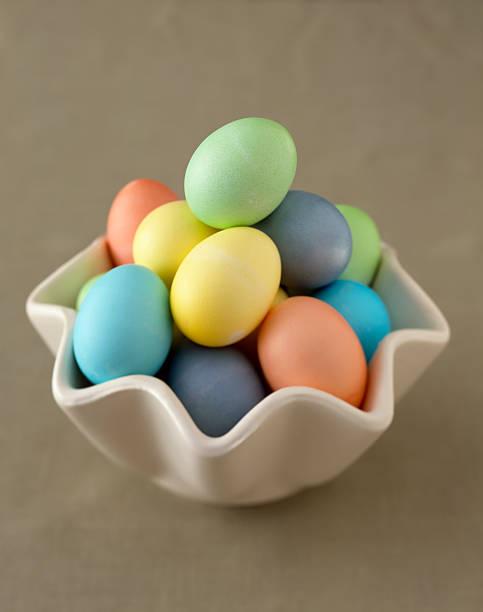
(377,420)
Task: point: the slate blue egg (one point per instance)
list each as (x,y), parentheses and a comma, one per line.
(362,308)
(124,325)
(217,386)
(313,238)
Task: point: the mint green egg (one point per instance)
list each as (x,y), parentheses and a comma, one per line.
(240,173)
(86,287)
(366,245)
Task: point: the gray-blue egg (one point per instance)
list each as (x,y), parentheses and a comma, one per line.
(313,238)
(217,386)
(123,325)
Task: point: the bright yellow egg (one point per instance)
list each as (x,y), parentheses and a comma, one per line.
(225,286)
(165,236)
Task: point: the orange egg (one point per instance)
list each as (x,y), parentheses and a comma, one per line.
(130,206)
(305,342)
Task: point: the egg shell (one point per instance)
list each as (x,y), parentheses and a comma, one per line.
(241,172)
(280,296)
(225,286)
(313,238)
(123,325)
(130,206)
(362,308)
(217,386)
(366,245)
(249,344)
(305,342)
(86,287)
(165,236)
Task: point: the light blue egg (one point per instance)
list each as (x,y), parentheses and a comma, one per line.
(313,238)
(124,325)
(217,386)
(362,308)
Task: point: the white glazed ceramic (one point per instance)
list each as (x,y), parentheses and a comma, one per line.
(293,439)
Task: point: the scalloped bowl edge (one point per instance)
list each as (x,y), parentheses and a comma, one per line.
(293,439)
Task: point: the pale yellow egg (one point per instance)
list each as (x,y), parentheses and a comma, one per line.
(165,236)
(225,286)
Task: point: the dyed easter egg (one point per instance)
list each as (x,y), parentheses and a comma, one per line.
(130,206)
(362,308)
(86,287)
(123,325)
(313,238)
(280,296)
(217,386)
(249,344)
(241,172)
(165,236)
(305,342)
(225,285)
(366,245)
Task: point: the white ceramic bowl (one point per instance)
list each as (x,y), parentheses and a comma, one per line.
(295,438)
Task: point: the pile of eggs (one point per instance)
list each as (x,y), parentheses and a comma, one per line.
(244,287)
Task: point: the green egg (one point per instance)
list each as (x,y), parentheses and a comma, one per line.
(86,287)
(240,173)
(366,245)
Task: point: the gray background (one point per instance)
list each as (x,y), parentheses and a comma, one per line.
(384,100)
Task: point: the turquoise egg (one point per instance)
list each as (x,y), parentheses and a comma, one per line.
(362,308)
(123,325)
(240,173)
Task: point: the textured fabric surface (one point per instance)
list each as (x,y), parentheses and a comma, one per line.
(384,101)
